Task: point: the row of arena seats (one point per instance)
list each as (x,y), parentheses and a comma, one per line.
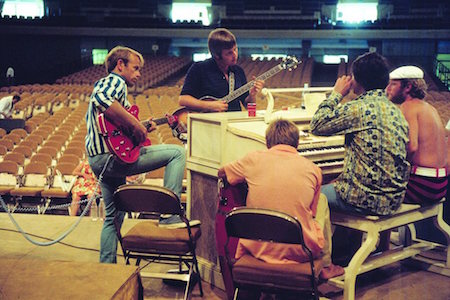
(30,160)
(54,140)
(155,71)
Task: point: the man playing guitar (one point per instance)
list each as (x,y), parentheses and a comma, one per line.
(110,98)
(213,77)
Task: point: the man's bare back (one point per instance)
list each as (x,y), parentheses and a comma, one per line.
(427,145)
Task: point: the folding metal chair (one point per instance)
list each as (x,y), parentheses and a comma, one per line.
(146,240)
(251,273)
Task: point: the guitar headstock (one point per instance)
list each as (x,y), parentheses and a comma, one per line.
(290,63)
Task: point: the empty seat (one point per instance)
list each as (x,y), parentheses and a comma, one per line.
(9,144)
(8,175)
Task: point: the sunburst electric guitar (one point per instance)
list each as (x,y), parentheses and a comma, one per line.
(121,144)
(288,63)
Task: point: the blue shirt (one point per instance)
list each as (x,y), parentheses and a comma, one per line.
(107,90)
(376,171)
(206,79)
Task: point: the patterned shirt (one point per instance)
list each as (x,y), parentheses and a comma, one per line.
(107,90)
(376,171)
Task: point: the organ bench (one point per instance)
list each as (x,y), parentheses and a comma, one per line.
(362,261)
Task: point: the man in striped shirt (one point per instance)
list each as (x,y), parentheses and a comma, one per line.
(110,97)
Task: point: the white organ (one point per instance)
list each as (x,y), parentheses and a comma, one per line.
(215,139)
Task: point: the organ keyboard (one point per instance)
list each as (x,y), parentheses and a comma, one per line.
(327,152)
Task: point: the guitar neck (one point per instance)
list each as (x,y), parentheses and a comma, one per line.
(236,93)
(158,121)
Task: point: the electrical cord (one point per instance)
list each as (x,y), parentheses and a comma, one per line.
(64,234)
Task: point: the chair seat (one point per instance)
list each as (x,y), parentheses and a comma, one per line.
(27,191)
(148,237)
(250,270)
(55,193)
(6,189)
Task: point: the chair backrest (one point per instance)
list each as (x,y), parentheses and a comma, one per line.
(270,226)
(69,158)
(25,150)
(43,157)
(263,225)
(147,199)
(14,137)
(66,168)
(76,144)
(35,174)
(20,131)
(30,126)
(52,143)
(49,150)
(35,138)
(9,144)
(36,167)
(9,167)
(29,143)
(16,157)
(8,172)
(76,151)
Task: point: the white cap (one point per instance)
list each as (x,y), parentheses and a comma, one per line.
(407,72)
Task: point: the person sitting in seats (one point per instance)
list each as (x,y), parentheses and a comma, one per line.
(6,106)
(280,179)
(85,185)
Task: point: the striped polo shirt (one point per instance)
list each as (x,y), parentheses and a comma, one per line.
(107,90)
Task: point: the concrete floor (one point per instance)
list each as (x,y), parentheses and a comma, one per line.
(397,281)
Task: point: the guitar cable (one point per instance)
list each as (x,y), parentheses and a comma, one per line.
(71,228)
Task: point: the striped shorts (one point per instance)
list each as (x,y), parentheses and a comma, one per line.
(425,190)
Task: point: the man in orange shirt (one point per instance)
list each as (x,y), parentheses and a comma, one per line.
(280,179)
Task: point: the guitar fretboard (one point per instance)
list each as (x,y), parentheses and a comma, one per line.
(236,93)
(157,121)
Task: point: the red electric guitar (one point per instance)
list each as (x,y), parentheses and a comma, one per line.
(123,146)
(230,196)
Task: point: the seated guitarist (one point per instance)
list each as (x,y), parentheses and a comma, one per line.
(110,97)
(212,77)
(280,179)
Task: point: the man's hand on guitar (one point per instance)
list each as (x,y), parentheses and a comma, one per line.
(258,85)
(151,125)
(216,106)
(255,89)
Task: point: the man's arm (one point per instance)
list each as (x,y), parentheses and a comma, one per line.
(120,116)
(330,118)
(411,117)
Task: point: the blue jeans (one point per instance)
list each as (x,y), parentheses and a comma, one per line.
(335,201)
(173,157)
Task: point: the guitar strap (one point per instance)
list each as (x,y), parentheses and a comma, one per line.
(231,82)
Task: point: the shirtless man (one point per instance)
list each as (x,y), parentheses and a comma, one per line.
(427,149)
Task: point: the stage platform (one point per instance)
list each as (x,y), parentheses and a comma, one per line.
(71,266)
(61,271)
